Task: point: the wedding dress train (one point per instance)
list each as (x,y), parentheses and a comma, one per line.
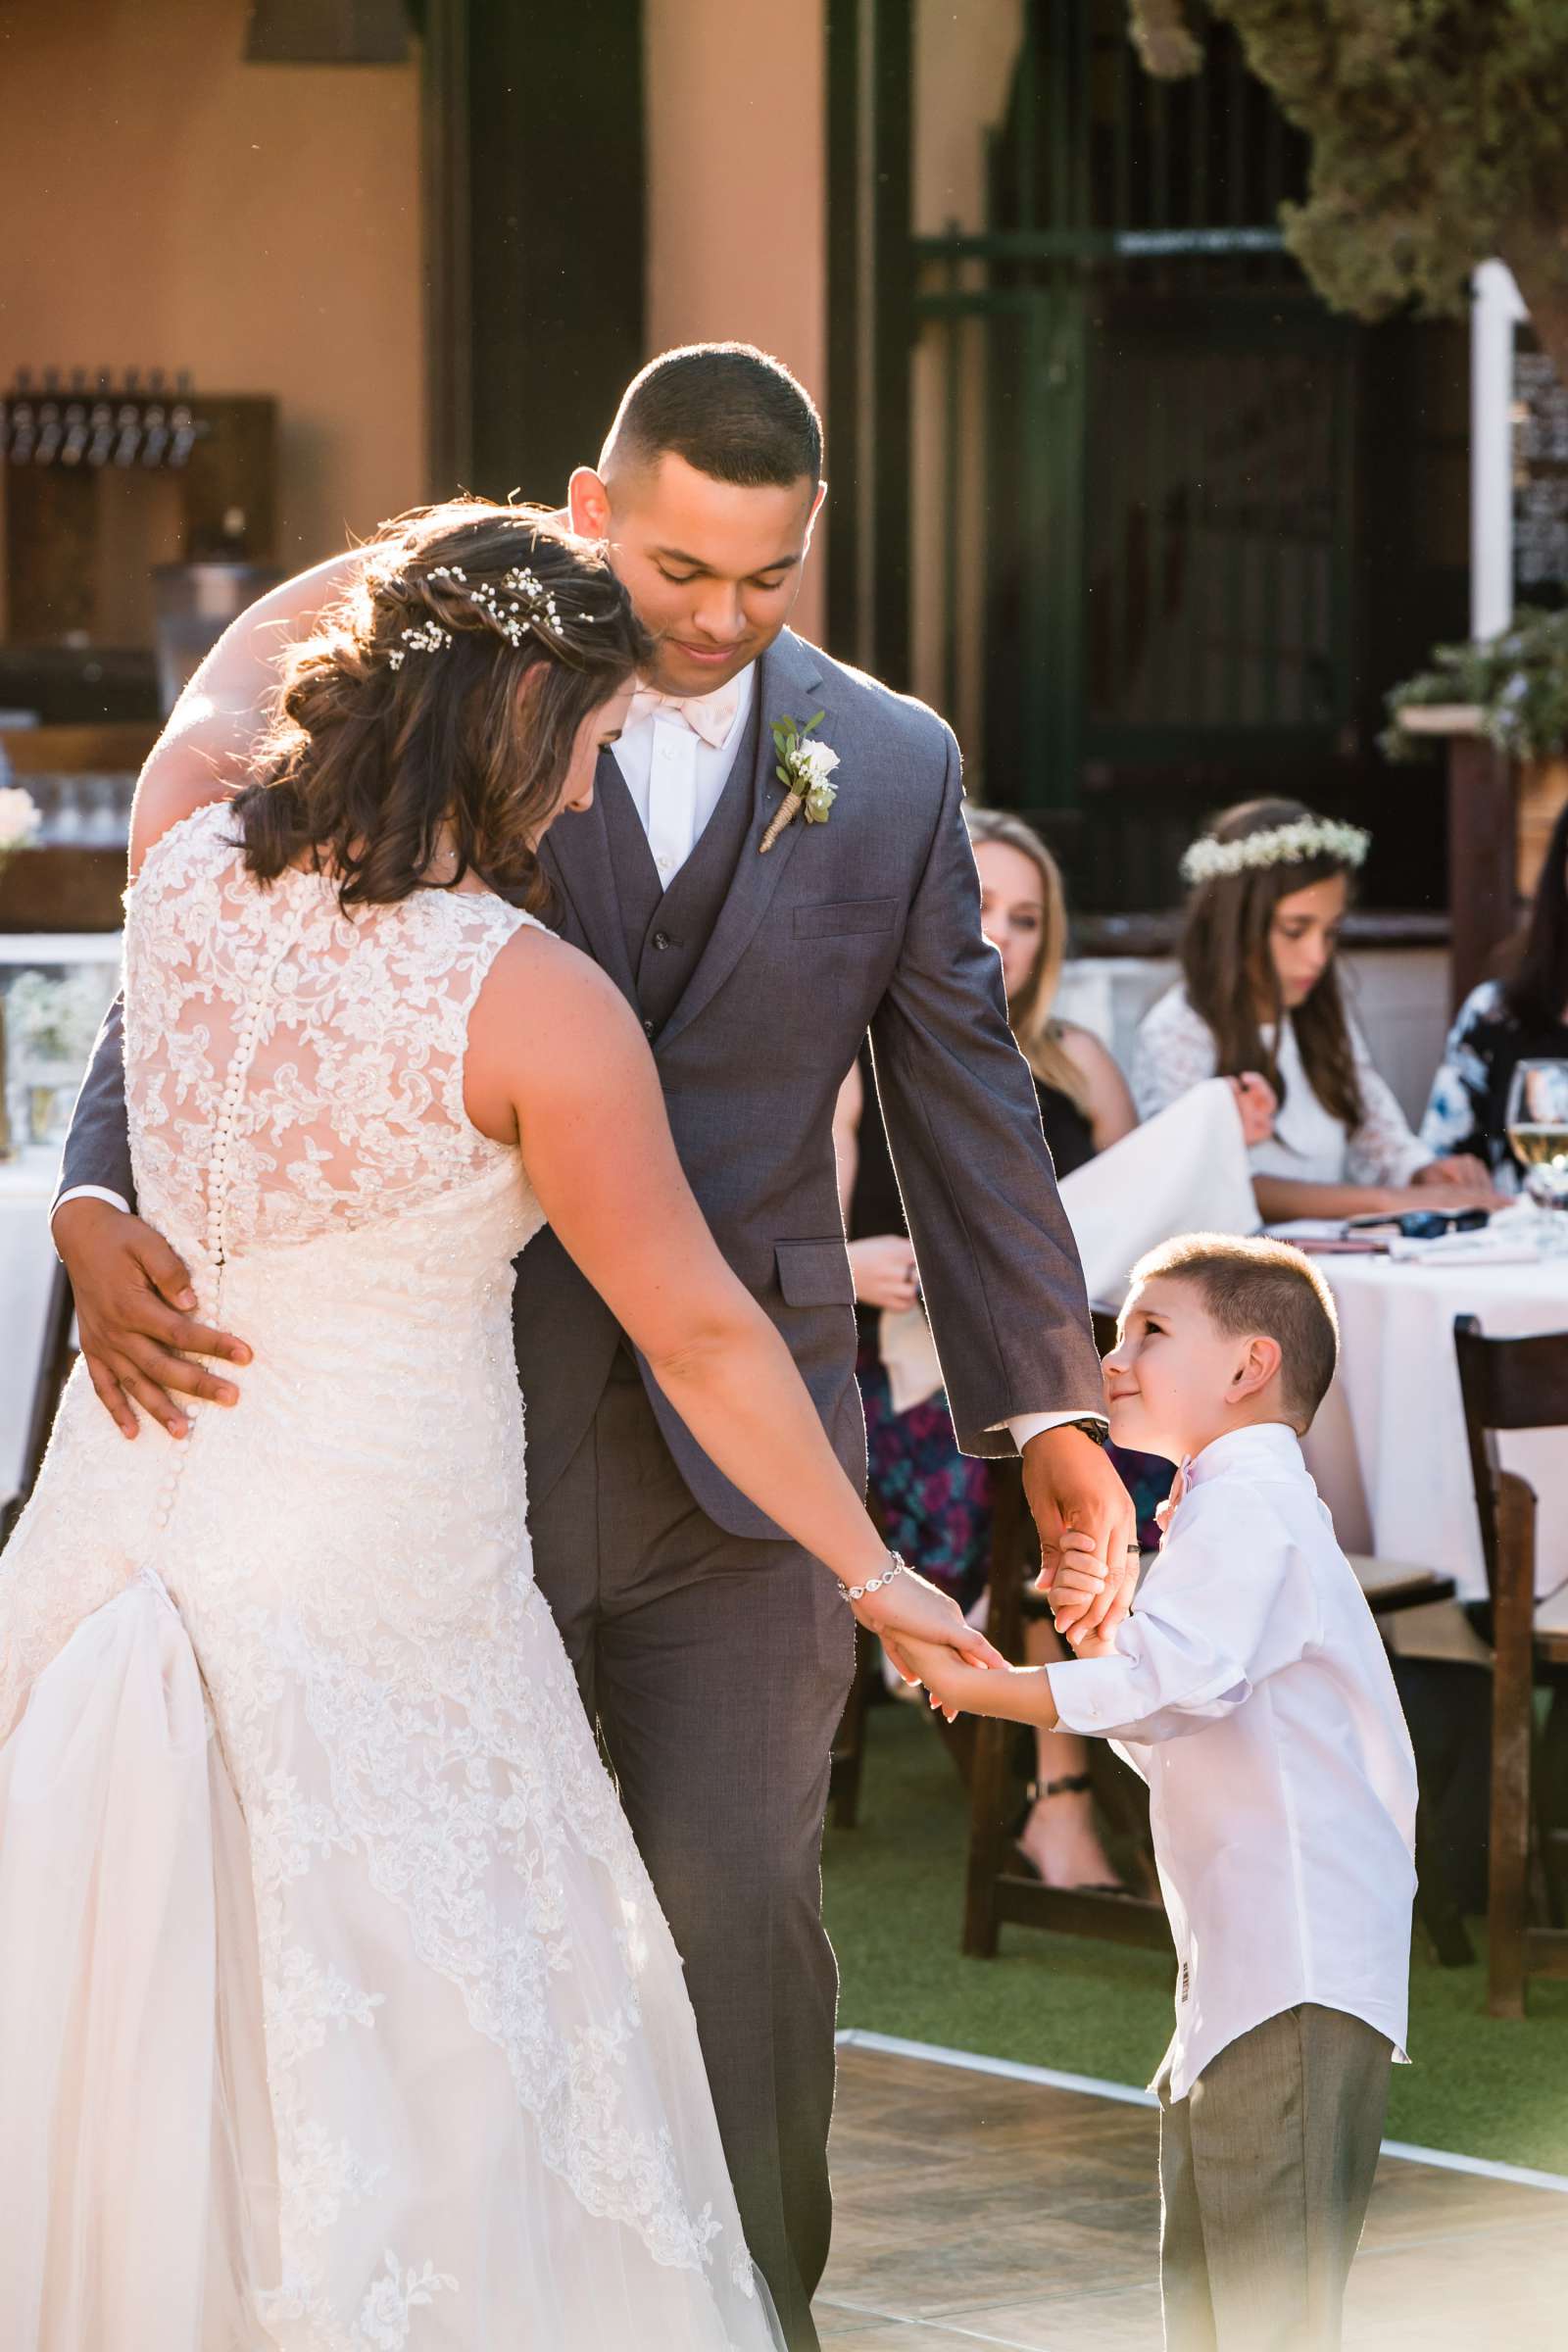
(337,2013)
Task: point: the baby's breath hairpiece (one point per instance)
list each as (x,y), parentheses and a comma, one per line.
(519,604)
(429,639)
(1293,844)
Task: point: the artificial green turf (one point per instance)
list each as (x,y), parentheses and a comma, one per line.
(894,1892)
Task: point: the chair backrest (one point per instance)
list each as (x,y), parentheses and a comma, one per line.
(1506,1384)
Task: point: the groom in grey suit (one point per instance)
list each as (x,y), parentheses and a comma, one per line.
(714,1655)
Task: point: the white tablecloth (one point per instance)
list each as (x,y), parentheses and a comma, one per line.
(1388,1448)
(27,1262)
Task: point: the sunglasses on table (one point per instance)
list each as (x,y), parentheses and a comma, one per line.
(1421,1224)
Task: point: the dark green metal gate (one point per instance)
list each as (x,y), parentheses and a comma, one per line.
(1160,540)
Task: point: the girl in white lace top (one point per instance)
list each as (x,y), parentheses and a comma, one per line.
(1261,990)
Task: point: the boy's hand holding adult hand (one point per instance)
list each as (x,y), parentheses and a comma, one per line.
(133,1312)
(1087,1641)
(1073,1489)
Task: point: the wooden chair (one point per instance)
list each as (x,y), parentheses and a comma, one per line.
(848,1741)
(1391,1588)
(1507,1385)
(997,1889)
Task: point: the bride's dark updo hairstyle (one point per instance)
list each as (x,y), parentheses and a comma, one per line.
(437,707)
(1228,964)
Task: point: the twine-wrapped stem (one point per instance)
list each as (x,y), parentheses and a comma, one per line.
(782,816)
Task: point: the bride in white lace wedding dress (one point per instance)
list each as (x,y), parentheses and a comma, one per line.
(336,2009)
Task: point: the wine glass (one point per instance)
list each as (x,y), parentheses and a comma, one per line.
(1538,1136)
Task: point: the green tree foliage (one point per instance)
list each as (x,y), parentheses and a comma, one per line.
(1439,139)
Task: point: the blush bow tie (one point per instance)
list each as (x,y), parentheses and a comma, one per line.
(1165,1511)
(709,715)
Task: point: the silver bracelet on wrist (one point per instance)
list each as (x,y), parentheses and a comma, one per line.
(898,1565)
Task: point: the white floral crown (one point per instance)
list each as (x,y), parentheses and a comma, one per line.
(522,604)
(1208,860)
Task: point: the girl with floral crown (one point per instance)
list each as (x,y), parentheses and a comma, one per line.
(1270,884)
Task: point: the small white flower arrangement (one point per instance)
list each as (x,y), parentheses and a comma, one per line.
(1306,837)
(806,771)
(53,1022)
(20,820)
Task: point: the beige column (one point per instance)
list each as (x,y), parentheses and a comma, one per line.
(737,191)
(964,61)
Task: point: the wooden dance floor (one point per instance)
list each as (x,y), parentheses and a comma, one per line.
(976,2210)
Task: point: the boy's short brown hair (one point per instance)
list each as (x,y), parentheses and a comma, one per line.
(1251,1286)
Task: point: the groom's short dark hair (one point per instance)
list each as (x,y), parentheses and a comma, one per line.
(729,409)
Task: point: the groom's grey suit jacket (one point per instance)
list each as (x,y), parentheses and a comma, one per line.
(757,978)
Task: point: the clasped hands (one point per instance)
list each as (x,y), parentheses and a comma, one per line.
(1089,1570)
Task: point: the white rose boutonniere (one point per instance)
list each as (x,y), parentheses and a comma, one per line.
(806,771)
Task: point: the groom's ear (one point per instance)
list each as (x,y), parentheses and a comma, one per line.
(588,504)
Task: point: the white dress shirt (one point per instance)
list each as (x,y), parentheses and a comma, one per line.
(676,778)
(1251,1691)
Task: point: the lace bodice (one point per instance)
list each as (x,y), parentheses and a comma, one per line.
(290,1069)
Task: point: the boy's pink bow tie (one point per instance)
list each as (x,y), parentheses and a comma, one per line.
(1165,1511)
(709,715)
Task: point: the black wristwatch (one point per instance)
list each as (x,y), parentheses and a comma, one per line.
(1098,1430)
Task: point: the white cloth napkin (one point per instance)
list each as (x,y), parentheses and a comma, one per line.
(908,1356)
(1183,1171)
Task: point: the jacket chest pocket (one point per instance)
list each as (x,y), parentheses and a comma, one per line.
(814,1273)
(846,918)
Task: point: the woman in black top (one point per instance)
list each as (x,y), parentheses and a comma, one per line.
(936,1501)
(1521,1017)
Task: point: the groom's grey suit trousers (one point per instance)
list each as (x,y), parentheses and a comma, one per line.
(718,1667)
(714,1652)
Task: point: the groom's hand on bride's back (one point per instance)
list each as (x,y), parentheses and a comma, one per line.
(133,1313)
(1073,1487)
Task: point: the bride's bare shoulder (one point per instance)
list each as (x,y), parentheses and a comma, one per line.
(177,780)
(548,1024)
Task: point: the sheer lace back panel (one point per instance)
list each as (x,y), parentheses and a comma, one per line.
(291,1070)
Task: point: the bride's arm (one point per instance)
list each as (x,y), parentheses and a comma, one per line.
(556,1056)
(201,753)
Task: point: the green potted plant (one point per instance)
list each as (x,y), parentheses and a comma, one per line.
(1512,690)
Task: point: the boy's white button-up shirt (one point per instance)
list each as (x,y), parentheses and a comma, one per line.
(1251,1691)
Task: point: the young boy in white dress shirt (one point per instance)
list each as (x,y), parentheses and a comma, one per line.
(1250,1689)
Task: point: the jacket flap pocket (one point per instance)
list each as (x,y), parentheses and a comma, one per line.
(814,1274)
(841,915)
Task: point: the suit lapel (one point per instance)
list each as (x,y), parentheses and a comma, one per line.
(576,854)
(787,676)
